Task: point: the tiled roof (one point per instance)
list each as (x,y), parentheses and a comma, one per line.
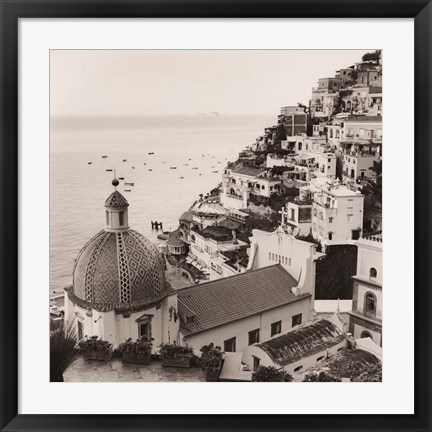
(229,299)
(118,268)
(186,216)
(249,171)
(118,307)
(302,341)
(229,224)
(174,239)
(116,199)
(351,364)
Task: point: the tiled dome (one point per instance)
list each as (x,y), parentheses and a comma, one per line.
(117,269)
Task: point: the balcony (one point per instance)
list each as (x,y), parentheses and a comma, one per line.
(234,196)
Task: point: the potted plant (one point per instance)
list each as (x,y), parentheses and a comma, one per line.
(138,352)
(271,374)
(95,349)
(173,355)
(211,361)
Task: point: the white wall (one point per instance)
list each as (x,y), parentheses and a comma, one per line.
(240,329)
(294,255)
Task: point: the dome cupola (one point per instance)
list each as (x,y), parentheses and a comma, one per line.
(119,267)
(116,211)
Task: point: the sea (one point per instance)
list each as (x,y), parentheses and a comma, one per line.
(171,160)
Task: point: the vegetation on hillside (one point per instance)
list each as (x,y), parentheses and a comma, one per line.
(372,190)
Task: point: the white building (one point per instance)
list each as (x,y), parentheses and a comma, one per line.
(239,184)
(337,215)
(300,348)
(241,310)
(296,256)
(297,217)
(366,315)
(206,243)
(358,160)
(119,288)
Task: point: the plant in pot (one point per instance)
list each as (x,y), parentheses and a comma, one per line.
(138,352)
(211,361)
(271,374)
(95,349)
(173,355)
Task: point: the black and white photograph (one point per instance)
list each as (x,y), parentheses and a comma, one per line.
(216,215)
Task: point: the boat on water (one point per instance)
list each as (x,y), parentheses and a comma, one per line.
(150,169)
(173,167)
(185,164)
(190,159)
(108,169)
(181,177)
(89,163)
(214,172)
(194,167)
(124,160)
(121,178)
(104,156)
(127,190)
(151,153)
(133,167)
(129,184)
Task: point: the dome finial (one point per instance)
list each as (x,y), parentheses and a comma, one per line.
(115,182)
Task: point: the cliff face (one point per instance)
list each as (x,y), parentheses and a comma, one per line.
(334,271)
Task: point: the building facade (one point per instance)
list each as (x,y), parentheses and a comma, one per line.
(366,314)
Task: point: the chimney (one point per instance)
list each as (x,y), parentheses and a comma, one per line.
(296,290)
(351,343)
(234,236)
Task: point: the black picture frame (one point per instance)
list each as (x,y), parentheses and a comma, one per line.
(12,10)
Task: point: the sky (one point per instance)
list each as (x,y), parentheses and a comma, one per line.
(187,82)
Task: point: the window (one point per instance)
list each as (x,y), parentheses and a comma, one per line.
(254,336)
(370,304)
(365,334)
(349,218)
(330,219)
(373,273)
(296,320)
(276,328)
(292,214)
(329,160)
(193,238)
(144,329)
(121,218)
(289,261)
(320,358)
(256,363)
(298,368)
(355,234)
(80,330)
(107,217)
(269,255)
(230,345)
(330,236)
(272,257)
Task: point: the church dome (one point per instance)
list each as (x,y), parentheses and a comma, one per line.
(118,268)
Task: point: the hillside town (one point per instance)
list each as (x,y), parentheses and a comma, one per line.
(274,275)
